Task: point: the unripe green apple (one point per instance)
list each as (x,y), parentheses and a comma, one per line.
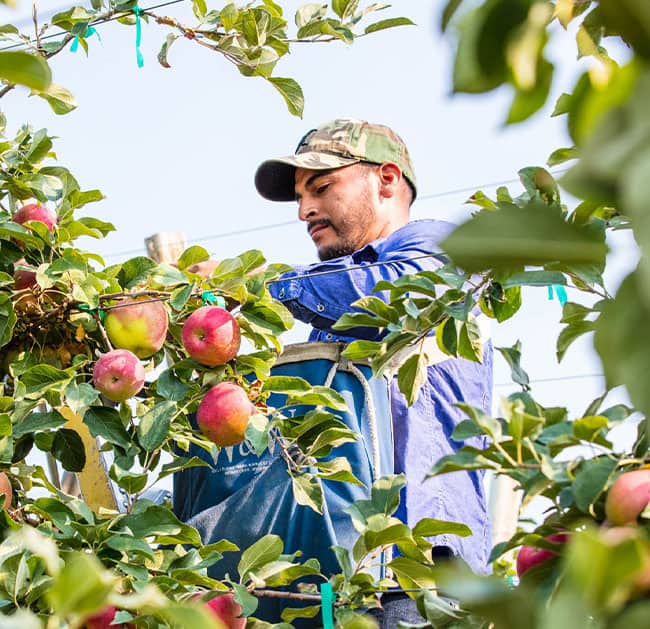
(211,336)
(6,491)
(223,414)
(36,212)
(139,325)
(531,556)
(628,496)
(118,375)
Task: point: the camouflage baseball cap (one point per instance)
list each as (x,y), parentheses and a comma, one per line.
(337,143)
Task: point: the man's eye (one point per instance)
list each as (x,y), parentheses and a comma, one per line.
(322,188)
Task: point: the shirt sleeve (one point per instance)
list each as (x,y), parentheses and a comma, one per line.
(319,294)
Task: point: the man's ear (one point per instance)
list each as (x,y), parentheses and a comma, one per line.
(390,175)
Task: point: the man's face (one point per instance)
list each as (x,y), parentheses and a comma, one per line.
(340,207)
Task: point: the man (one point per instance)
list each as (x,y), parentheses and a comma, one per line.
(354,184)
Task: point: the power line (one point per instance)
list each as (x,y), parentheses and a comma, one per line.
(555,379)
(248,230)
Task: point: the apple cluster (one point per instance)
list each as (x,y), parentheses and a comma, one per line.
(222,607)
(137,327)
(24,274)
(626,500)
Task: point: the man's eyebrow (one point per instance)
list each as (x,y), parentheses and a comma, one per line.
(314,177)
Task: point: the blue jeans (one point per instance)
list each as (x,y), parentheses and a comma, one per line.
(396,607)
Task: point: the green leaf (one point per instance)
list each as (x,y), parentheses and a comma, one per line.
(291,92)
(591,480)
(338,469)
(384,500)
(148,520)
(342,7)
(430,526)
(513,358)
(79,396)
(343,557)
(82,587)
(7,319)
(560,156)
(535,278)
(389,23)
(515,236)
(631,20)
(25,69)
(308,491)
(200,8)
(448,13)
(319,396)
(106,423)
(257,432)
(154,425)
(447,336)
(624,352)
(59,98)
(291,613)
(192,255)
(40,378)
(68,448)
(412,375)
(466,430)
(36,422)
(412,574)
(135,270)
(170,387)
(267,549)
(466,458)
(360,350)
(328,439)
(570,333)
(289,385)
(526,102)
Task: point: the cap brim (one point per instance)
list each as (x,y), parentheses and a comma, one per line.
(275,178)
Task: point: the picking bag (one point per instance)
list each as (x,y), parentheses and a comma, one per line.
(243,497)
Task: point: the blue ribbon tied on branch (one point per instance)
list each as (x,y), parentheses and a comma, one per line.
(89,32)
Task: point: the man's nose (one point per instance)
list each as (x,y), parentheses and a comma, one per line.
(306,210)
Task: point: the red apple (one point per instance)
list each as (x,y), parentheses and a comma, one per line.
(118,375)
(103,619)
(530,556)
(223,414)
(628,496)
(6,491)
(23,277)
(139,325)
(211,336)
(36,212)
(227,610)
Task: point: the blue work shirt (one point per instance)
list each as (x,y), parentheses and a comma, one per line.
(422,432)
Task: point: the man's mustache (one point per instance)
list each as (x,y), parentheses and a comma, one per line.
(321,221)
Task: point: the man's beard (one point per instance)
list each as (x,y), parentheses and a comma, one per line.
(350,233)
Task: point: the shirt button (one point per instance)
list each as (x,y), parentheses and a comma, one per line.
(320,307)
(281,293)
(329,336)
